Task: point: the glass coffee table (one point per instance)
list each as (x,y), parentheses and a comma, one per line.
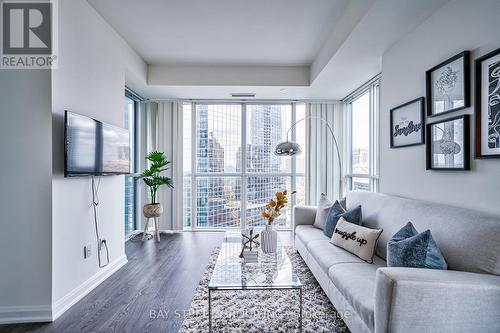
(270,271)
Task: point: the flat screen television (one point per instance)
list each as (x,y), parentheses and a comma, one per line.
(94,148)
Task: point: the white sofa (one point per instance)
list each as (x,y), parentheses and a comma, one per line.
(376,298)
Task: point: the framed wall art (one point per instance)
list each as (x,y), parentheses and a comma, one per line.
(448,85)
(408,124)
(447,144)
(487,105)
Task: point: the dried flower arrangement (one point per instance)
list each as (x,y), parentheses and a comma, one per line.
(274,206)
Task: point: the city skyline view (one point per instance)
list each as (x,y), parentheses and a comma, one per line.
(232,184)
(234,180)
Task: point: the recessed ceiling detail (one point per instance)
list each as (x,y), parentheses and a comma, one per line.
(321,49)
(224,32)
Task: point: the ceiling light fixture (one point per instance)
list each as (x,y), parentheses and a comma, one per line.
(283,89)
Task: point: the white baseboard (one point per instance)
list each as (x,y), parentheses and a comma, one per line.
(25,314)
(170,231)
(66,302)
(47,313)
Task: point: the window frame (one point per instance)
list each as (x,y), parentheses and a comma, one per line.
(372,87)
(134,132)
(243,175)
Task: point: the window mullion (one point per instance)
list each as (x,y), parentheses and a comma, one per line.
(194,154)
(370,145)
(135,159)
(376,122)
(349,135)
(243,194)
(294,159)
(373,137)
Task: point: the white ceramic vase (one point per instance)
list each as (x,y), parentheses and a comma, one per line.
(269,239)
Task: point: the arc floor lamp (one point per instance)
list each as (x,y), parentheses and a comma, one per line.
(290,148)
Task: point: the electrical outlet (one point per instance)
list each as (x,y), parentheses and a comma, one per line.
(87,251)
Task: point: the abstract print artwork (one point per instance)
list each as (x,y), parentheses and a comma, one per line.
(493,106)
(448,85)
(488,105)
(407,124)
(448,144)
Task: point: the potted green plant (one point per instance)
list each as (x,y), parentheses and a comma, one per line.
(153,180)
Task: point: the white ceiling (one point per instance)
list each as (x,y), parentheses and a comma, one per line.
(339,43)
(237,32)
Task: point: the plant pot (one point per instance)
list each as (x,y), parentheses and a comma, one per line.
(269,239)
(152,210)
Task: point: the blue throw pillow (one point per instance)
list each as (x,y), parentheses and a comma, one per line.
(336,212)
(408,248)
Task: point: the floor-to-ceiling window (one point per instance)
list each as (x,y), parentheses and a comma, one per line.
(230,170)
(130,185)
(363,138)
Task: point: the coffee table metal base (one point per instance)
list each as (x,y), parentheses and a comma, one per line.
(210,302)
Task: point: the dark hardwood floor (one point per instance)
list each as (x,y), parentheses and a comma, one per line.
(158,276)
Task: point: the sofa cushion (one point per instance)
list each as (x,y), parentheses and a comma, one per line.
(408,248)
(336,212)
(307,233)
(327,254)
(343,202)
(323,208)
(356,282)
(358,240)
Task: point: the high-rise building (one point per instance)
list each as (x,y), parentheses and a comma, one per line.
(214,197)
(218,198)
(266,126)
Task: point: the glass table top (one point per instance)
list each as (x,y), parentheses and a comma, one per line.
(266,271)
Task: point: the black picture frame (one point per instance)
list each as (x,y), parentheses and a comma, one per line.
(421,101)
(465,145)
(478,105)
(466,83)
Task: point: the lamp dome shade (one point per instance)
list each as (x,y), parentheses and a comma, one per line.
(287,148)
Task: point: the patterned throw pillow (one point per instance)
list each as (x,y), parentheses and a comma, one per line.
(408,248)
(337,211)
(358,240)
(324,205)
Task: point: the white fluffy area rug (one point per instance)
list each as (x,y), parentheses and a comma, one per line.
(263,310)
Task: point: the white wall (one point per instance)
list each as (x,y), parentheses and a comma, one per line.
(228,75)
(47,219)
(90,80)
(25,174)
(457,26)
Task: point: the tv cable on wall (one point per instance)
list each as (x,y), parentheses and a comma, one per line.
(101,243)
